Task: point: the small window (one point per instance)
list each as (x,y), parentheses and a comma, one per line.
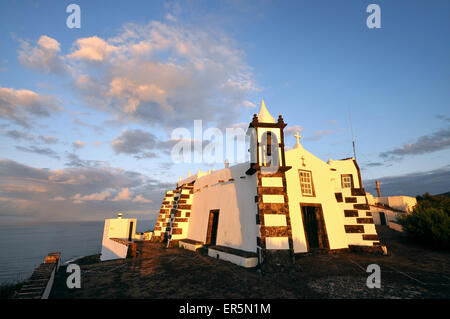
(347,181)
(269,144)
(270,157)
(306,183)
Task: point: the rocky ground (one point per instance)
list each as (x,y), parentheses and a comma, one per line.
(408,271)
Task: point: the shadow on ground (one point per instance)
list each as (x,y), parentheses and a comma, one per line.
(409,271)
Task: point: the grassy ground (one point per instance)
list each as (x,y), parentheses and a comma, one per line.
(409,271)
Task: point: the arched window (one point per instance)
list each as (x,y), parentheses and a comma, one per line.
(270,154)
(251,134)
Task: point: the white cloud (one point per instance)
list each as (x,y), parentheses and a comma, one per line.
(318,135)
(44,56)
(248,104)
(78,198)
(48,139)
(171,17)
(436,141)
(158,74)
(19,105)
(124,194)
(82,193)
(141,199)
(293,129)
(79,144)
(92,49)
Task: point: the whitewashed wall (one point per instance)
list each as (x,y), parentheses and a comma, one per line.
(236,202)
(324,195)
(116,228)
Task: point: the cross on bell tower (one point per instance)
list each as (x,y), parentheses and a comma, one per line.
(298,137)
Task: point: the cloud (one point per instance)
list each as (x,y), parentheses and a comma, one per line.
(249,105)
(444,118)
(18,105)
(75,161)
(142,144)
(134,142)
(171,17)
(76,193)
(79,144)
(24,188)
(91,197)
(434,142)
(140,199)
(22,135)
(293,129)
(374,164)
(92,49)
(39,150)
(158,74)
(124,194)
(318,135)
(240,125)
(49,139)
(44,56)
(17,135)
(435,182)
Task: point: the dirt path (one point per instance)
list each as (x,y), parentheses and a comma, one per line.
(409,271)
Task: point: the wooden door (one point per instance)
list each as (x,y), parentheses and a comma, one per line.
(130,232)
(314,226)
(213,224)
(382,218)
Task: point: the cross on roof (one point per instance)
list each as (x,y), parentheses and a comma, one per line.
(298,137)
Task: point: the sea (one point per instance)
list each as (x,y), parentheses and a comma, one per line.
(23,248)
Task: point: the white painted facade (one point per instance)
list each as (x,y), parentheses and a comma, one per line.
(119,228)
(334,192)
(388,209)
(235,259)
(237,208)
(324,188)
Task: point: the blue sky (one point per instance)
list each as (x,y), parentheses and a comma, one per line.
(100,102)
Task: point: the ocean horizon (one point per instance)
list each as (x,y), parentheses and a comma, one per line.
(24,247)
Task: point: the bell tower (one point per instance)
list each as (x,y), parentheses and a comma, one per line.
(267,161)
(266,142)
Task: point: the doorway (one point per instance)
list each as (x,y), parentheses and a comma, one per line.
(382,218)
(213,223)
(130,232)
(314,226)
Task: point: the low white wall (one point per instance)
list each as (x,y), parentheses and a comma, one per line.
(235,201)
(189,246)
(389,215)
(396,226)
(116,228)
(238,260)
(49,286)
(113,250)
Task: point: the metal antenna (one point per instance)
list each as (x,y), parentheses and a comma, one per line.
(351,129)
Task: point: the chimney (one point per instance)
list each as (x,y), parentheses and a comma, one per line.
(119,216)
(378,188)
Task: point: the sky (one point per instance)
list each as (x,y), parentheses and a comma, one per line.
(87,114)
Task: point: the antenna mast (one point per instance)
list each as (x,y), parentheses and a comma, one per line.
(351,129)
